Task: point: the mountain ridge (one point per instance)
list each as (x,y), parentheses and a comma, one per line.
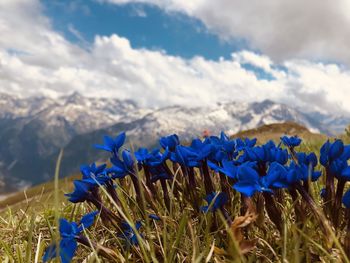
(33,130)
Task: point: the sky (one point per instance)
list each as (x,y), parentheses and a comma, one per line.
(191,53)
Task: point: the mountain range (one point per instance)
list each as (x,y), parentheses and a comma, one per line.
(33,130)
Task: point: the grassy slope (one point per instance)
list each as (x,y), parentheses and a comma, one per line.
(26,220)
(264,133)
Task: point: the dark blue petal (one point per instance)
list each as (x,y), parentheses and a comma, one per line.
(246,189)
(312,159)
(103,147)
(138,224)
(204,208)
(324,153)
(281,156)
(315,175)
(65,227)
(154,217)
(292,141)
(346,199)
(246,173)
(250,143)
(128,160)
(108,141)
(170,141)
(323,193)
(336,149)
(67,249)
(119,140)
(88,219)
(80,193)
(346,173)
(50,252)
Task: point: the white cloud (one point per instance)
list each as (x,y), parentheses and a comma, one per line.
(48,64)
(283,30)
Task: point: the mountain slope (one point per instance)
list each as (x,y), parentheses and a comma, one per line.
(33,130)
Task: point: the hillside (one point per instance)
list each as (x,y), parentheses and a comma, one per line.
(276,130)
(42,191)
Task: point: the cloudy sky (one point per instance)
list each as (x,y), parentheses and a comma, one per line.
(163,52)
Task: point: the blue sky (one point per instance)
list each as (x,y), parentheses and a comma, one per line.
(145,26)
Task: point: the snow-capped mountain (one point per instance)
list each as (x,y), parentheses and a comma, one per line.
(229,117)
(33,130)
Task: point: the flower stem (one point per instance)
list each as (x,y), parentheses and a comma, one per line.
(329,196)
(273,211)
(112,192)
(337,202)
(165,193)
(208,184)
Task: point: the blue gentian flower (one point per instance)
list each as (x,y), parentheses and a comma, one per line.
(215,201)
(276,177)
(69,232)
(81,192)
(248,180)
(185,156)
(223,142)
(158,172)
(99,179)
(246,143)
(291,142)
(128,233)
(157,158)
(280,155)
(142,155)
(331,151)
(112,145)
(202,149)
(335,157)
(307,159)
(170,142)
(301,172)
(94,175)
(121,168)
(87,170)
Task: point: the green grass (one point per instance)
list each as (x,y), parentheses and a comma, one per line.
(28,225)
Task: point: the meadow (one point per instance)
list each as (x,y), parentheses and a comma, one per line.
(217,199)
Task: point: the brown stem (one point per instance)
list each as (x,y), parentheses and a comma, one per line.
(225,187)
(112,192)
(247,205)
(191,177)
(165,193)
(273,211)
(208,184)
(149,184)
(135,182)
(330,192)
(260,204)
(337,202)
